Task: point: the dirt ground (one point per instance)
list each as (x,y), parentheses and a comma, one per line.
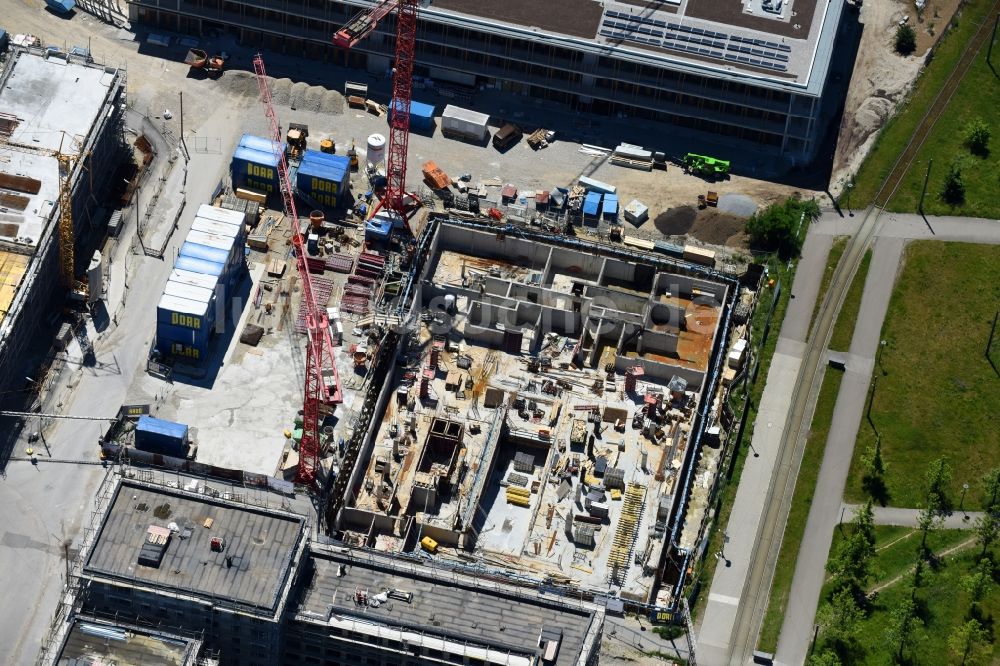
(882,78)
(708,225)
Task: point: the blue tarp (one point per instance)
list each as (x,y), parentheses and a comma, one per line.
(610,205)
(61,5)
(378,228)
(592,204)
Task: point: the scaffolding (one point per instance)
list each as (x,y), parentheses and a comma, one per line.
(624,540)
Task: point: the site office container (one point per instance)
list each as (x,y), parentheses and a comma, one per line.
(464,123)
(227,244)
(160,436)
(226,216)
(260,143)
(322,182)
(421,114)
(195,279)
(186,313)
(254,170)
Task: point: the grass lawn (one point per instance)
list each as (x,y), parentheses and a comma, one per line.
(942,601)
(705,569)
(805,486)
(843,329)
(836,252)
(979,94)
(939,396)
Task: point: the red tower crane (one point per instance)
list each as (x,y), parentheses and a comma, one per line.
(322,382)
(359,27)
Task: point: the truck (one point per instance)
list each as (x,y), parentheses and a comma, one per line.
(459,123)
(198,59)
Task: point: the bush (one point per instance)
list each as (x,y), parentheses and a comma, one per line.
(669,632)
(953,190)
(977,136)
(906,40)
(780,227)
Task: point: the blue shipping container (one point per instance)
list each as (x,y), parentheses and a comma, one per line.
(189,336)
(199,266)
(340,161)
(259,143)
(254,169)
(159,436)
(325,183)
(611,206)
(181,350)
(204,252)
(592,204)
(185,313)
(421,115)
(61,6)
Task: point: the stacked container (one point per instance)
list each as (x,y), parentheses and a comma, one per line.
(209,266)
(324,177)
(254,165)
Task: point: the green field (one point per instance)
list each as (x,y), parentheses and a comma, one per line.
(941,599)
(832,259)
(843,329)
(978,95)
(805,487)
(936,393)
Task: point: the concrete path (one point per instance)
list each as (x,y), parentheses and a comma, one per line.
(825,511)
(718,621)
(890,515)
(910,226)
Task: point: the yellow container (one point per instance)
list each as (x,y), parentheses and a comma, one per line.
(517,500)
(616,494)
(429,544)
(517,490)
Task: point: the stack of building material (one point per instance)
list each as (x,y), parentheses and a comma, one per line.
(524,462)
(624,539)
(518,496)
(636,212)
(339,263)
(592,205)
(633,157)
(322,288)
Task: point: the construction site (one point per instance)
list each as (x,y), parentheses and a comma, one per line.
(61,142)
(332,403)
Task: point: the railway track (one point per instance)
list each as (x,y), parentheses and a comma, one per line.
(756,590)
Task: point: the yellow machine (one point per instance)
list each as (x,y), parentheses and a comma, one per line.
(429,544)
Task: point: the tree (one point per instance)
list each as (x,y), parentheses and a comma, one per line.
(953,190)
(927,520)
(977,136)
(904,628)
(864,524)
(969,642)
(778,227)
(852,565)
(987,531)
(841,618)
(873,476)
(906,40)
(937,477)
(978,581)
(992,482)
(825,658)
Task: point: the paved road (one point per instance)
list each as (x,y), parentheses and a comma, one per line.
(718,621)
(890,515)
(49,504)
(826,509)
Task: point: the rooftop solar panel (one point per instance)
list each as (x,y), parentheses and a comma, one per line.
(730,56)
(785,47)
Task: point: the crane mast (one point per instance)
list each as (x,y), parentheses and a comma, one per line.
(359,27)
(322,382)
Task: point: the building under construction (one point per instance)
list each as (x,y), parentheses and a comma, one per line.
(236,576)
(546,413)
(754,71)
(50,102)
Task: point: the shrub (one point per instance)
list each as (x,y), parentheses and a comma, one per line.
(977,136)
(906,40)
(953,190)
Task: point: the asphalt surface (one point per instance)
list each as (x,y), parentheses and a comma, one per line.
(890,515)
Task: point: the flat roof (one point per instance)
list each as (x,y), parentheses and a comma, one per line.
(260,545)
(790,47)
(91,641)
(444,604)
(56,103)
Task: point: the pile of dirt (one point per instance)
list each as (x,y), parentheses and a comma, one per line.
(675,221)
(718,228)
(239,84)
